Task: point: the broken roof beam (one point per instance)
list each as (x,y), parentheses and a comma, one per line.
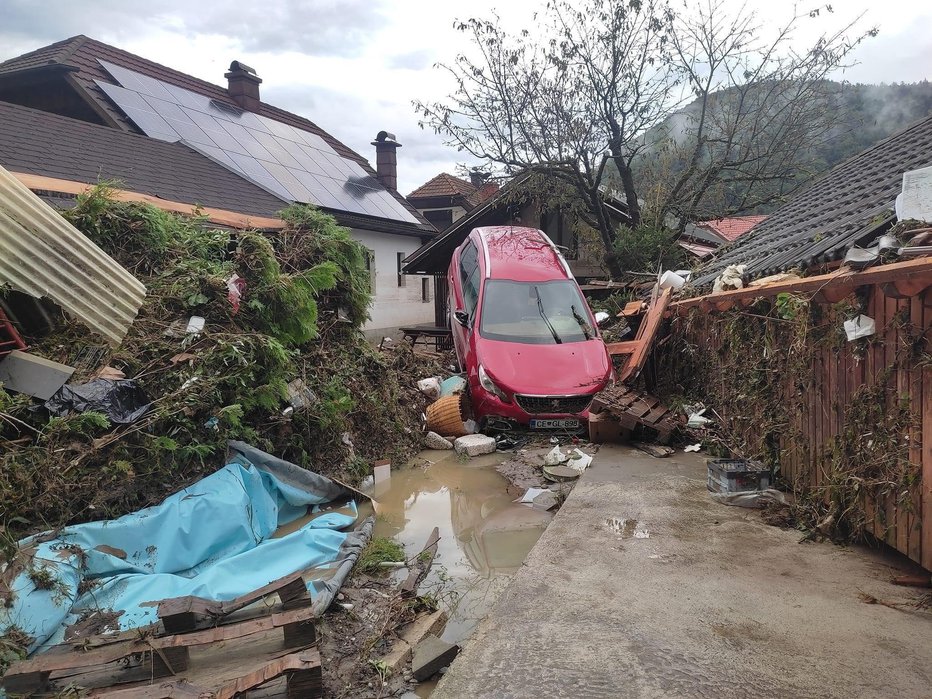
(910,278)
(221,217)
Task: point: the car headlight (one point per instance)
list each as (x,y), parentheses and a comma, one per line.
(490,386)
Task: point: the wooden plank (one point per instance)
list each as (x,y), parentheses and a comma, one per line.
(902,394)
(626,347)
(409,586)
(914,520)
(200,605)
(925,545)
(911,270)
(890,349)
(646,334)
(64,658)
(221,216)
(305,663)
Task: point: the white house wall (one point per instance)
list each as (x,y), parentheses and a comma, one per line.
(394,306)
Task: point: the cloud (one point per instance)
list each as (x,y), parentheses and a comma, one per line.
(413,60)
(312,27)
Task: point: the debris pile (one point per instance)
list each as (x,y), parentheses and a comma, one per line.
(243,335)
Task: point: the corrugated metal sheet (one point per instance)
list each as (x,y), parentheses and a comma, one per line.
(43,255)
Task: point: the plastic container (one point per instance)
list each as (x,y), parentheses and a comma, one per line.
(445,416)
(671,280)
(737,476)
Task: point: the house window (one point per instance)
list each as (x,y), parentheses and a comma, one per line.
(425,290)
(400,256)
(370,268)
(441,218)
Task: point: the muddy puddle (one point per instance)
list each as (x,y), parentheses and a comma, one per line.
(484,535)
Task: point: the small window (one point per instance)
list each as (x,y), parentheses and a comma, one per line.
(425,290)
(401,263)
(370,268)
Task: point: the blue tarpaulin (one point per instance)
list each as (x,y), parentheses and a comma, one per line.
(209,540)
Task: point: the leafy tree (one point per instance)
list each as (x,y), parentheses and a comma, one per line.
(596,79)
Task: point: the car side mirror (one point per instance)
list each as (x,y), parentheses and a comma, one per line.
(462,317)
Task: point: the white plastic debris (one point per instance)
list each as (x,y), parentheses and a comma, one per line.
(671,280)
(474,445)
(579,461)
(531,493)
(730,278)
(195,325)
(382,473)
(862,326)
(601,317)
(555,457)
(693,447)
(915,200)
(698,419)
(430,387)
(470,426)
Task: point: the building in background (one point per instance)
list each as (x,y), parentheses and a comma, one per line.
(67,108)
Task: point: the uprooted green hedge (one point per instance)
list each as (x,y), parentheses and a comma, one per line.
(306,298)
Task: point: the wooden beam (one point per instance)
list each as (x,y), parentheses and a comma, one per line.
(64,658)
(223,217)
(409,586)
(626,347)
(646,333)
(909,274)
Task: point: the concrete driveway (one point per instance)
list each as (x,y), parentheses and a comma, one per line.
(642,586)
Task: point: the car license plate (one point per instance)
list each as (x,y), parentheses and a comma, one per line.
(559,424)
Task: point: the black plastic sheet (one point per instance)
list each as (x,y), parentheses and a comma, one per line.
(123,401)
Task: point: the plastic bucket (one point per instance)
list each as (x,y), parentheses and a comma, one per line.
(671,280)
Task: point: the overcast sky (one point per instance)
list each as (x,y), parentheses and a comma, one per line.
(353,66)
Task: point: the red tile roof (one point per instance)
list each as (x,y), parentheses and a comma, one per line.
(732,228)
(85,54)
(444,185)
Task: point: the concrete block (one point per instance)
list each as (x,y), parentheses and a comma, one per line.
(474,445)
(435,441)
(430,655)
(32,375)
(416,631)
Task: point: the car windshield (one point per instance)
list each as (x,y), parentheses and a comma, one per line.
(541,313)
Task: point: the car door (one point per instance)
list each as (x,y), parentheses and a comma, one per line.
(464,275)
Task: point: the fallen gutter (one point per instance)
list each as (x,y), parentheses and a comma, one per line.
(219,216)
(43,255)
(904,279)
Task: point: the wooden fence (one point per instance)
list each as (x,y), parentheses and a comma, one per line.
(827,391)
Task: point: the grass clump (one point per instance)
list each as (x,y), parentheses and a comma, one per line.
(379,550)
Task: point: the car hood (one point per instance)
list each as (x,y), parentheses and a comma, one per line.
(548,370)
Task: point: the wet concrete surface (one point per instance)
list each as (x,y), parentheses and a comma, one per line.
(642,586)
(484,535)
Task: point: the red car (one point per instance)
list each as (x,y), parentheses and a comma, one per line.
(523,332)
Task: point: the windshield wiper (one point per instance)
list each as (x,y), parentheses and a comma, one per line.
(586,330)
(540,309)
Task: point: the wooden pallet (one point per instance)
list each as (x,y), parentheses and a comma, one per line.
(232,656)
(636,410)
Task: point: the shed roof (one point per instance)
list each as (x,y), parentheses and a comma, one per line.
(730,229)
(842,208)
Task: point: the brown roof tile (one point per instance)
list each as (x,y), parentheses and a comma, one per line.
(443,185)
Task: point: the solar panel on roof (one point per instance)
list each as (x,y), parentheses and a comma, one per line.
(293,164)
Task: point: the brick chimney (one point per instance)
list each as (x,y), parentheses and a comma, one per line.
(243,86)
(386,161)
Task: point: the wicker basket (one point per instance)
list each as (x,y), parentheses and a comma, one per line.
(445,416)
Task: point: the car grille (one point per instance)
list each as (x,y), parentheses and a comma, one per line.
(535,405)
